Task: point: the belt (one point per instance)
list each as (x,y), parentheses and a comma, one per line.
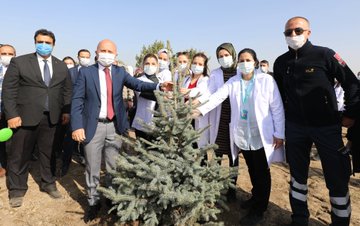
(105,120)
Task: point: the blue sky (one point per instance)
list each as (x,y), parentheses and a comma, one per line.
(199,24)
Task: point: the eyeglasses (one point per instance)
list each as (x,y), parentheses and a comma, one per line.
(298,31)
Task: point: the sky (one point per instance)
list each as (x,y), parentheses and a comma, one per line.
(199,24)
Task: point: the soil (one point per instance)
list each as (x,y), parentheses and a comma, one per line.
(39,209)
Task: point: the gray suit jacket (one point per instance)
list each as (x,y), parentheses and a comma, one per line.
(24,91)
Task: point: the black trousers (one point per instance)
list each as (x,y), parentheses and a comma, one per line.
(3,124)
(336,167)
(19,153)
(260,178)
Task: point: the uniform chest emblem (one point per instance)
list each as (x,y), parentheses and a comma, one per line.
(309,70)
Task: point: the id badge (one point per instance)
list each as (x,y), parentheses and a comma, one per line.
(244,114)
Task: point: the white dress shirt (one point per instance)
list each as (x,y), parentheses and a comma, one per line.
(41,65)
(103,91)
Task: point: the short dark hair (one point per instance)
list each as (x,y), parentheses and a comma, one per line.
(69,58)
(46,33)
(206,59)
(252,53)
(264,62)
(83,50)
(150,55)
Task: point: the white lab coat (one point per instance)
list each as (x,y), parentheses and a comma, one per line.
(269,112)
(145,106)
(202,121)
(216,80)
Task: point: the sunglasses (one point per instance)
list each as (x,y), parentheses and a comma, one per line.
(298,31)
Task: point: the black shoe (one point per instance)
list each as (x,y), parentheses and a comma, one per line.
(15,202)
(53,193)
(248,204)
(91,214)
(252,218)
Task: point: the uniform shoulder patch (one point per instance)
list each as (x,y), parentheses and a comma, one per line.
(339,60)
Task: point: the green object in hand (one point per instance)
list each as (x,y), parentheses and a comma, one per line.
(5,134)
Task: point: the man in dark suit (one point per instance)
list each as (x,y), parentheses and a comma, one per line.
(69,145)
(98,114)
(36,93)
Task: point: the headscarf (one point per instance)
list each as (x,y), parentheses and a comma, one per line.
(230,48)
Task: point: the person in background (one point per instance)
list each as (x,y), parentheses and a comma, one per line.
(257,127)
(219,118)
(98,115)
(7,52)
(146,101)
(182,66)
(305,76)
(34,120)
(197,84)
(164,57)
(69,61)
(265,67)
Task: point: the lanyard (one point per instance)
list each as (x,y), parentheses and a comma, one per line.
(244,95)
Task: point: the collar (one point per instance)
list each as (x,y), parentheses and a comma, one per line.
(102,67)
(40,58)
(302,50)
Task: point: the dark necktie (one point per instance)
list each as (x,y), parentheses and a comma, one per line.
(110,108)
(47,79)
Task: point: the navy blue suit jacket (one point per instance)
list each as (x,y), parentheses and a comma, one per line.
(85,106)
(74,72)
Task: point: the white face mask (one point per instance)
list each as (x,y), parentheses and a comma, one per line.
(163,64)
(226,62)
(246,67)
(182,67)
(5,60)
(196,69)
(263,69)
(84,61)
(150,69)
(70,66)
(106,59)
(295,42)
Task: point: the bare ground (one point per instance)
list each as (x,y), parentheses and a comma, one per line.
(39,209)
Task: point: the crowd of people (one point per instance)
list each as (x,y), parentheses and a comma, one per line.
(57,106)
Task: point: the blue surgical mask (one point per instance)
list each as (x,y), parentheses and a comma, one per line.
(43,49)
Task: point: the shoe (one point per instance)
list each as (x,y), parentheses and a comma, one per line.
(16,202)
(91,214)
(53,193)
(2,172)
(252,218)
(248,203)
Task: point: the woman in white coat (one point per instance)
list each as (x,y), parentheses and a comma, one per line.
(256,127)
(197,84)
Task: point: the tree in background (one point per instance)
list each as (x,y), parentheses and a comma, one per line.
(165,180)
(155,47)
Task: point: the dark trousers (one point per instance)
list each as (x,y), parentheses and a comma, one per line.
(19,155)
(260,178)
(3,124)
(336,168)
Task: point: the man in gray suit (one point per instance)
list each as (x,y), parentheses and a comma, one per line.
(36,94)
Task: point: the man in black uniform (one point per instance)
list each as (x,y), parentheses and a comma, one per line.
(305,76)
